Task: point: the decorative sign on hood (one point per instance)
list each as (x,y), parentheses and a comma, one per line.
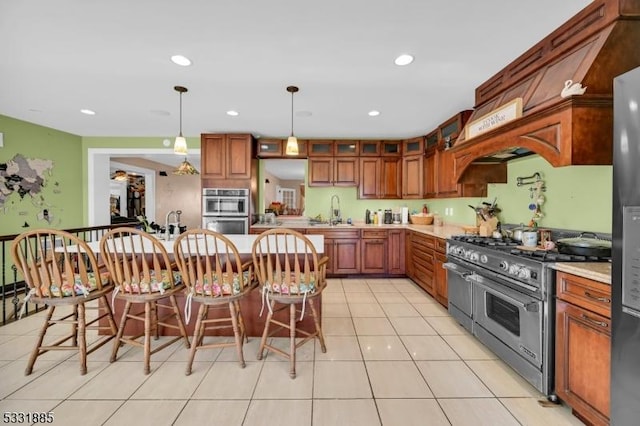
(498,117)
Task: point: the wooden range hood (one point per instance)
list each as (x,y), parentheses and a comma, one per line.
(596,45)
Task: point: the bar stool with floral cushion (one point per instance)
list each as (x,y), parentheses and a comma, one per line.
(291,277)
(144,275)
(215,277)
(60,271)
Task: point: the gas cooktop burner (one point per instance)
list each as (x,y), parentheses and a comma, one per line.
(508,245)
(486,241)
(554,256)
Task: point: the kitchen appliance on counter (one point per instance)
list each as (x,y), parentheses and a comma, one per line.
(625,271)
(504,295)
(226,210)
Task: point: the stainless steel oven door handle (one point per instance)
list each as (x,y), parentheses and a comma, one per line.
(466,275)
(528,307)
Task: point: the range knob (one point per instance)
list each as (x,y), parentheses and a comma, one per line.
(474,257)
(504,266)
(514,269)
(524,273)
(484,258)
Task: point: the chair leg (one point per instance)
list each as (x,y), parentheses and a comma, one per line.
(148,308)
(154,321)
(236,331)
(265,333)
(197,336)
(243,330)
(292,340)
(316,321)
(82,337)
(112,324)
(74,327)
(123,323)
(183,329)
(36,350)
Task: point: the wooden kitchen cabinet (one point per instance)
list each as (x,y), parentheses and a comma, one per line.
(275,148)
(422,259)
(374,251)
(412,168)
(226,156)
(333,163)
(439,273)
(429,172)
(583,346)
(343,249)
(396,252)
(412,180)
(380,177)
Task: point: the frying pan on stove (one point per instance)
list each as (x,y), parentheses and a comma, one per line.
(585,246)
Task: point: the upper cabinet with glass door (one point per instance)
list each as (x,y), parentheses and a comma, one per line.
(275,148)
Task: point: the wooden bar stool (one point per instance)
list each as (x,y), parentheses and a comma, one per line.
(61,271)
(140,267)
(291,277)
(215,277)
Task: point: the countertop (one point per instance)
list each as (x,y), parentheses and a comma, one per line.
(445,231)
(598,271)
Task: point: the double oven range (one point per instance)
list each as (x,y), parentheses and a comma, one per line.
(504,296)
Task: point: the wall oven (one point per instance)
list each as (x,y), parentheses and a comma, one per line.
(226,225)
(226,210)
(225,202)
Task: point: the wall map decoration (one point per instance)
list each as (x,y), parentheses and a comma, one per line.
(25,176)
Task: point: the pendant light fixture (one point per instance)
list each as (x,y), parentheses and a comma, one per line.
(292,142)
(180,145)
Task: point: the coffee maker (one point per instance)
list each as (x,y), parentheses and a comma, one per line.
(388,217)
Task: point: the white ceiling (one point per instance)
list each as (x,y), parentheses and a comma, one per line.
(57,57)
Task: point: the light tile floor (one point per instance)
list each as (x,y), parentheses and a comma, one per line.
(394,357)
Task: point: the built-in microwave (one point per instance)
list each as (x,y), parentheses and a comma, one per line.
(225,202)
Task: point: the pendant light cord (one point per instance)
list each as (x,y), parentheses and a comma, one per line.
(180,113)
(292,92)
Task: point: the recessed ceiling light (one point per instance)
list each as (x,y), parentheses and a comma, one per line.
(181,60)
(374,113)
(404,59)
(232,113)
(88,112)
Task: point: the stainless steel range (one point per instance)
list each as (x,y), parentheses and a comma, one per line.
(504,296)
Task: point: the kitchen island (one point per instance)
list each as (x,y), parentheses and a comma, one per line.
(251,305)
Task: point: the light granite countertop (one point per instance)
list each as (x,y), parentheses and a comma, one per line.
(445,231)
(598,271)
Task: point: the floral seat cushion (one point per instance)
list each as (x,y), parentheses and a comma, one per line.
(77,287)
(222,287)
(292,286)
(154,284)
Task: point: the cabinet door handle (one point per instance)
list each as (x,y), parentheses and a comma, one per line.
(599,299)
(596,322)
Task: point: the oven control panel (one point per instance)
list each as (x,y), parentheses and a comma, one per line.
(498,261)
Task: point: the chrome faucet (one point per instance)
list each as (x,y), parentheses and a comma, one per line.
(335,214)
(176,216)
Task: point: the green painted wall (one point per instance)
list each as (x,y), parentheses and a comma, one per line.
(577,197)
(62,194)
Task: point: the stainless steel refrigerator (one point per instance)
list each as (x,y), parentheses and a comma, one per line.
(625,278)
